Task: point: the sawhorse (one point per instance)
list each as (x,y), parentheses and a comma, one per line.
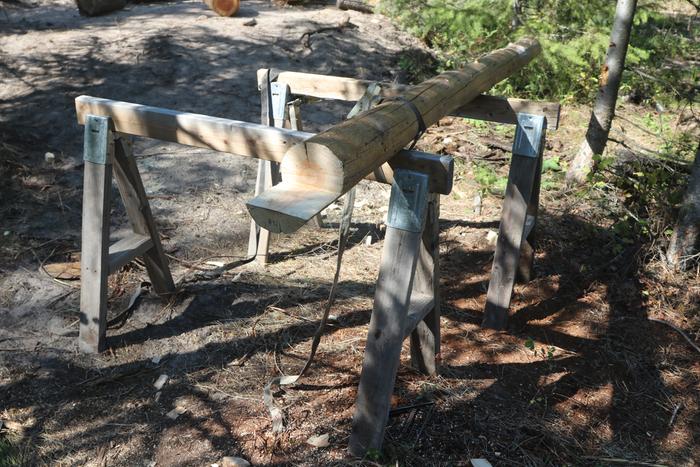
(515,247)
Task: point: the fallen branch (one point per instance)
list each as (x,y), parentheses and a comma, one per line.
(306,37)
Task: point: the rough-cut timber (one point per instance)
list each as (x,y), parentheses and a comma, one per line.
(243,138)
(321,169)
(223,7)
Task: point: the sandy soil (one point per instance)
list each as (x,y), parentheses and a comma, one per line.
(582,375)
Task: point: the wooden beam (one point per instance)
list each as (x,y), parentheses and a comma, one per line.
(126,249)
(484,107)
(243,138)
(219,134)
(335,160)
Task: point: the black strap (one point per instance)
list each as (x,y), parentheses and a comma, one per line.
(419,117)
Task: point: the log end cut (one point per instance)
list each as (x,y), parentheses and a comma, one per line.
(286,207)
(314,164)
(223,7)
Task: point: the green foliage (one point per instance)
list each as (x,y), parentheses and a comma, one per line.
(9,454)
(574,36)
(489,181)
(641,194)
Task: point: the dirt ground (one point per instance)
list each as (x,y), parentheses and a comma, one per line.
(581,377)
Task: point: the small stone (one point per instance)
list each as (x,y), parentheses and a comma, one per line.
(251,22)
(230,461)
(7,233)
(156,360)
(491,237)
(160,382)
(49,157)
(320,441)
(176,412)
(157,398)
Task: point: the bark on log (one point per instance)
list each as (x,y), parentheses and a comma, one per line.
(357,5)
(321,169)
(604,108)
(99,7)
(685,241)
(223,7)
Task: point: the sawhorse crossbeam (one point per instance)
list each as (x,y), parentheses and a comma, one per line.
(108,153)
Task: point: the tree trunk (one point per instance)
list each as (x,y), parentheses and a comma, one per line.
(224,7)
(99,7)
(604,108)
(516,21)
(685,241)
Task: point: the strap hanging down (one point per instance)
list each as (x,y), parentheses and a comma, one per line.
(365,102)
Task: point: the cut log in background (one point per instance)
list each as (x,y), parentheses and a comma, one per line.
(223,7)
(99,7)
(321,169)
(357,5)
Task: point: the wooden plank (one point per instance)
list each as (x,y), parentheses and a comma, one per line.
(97,188)
(273,104)
(484,107)
(421,304)
(242,138)
(502,110)
(391,303)
(254,227)
(126,249)
(336,159)
(510,236)
(219,134)
(425,338)
(138,210)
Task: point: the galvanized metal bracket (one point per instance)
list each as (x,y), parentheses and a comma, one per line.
(529,135)
(97,140)
(409,198)
(279,93)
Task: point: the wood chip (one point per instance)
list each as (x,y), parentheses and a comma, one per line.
(320,441)
(66,271)
(160,382)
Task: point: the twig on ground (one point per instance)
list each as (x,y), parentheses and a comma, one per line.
(673,415)
(679,331)
(616,460)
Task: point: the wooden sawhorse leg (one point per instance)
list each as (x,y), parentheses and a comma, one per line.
(274,98)
(514,253)
(107,153)
(405,303)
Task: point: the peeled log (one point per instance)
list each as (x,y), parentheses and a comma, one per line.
(224,7)
(321,169)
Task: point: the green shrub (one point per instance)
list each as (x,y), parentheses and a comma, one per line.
(574,35)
